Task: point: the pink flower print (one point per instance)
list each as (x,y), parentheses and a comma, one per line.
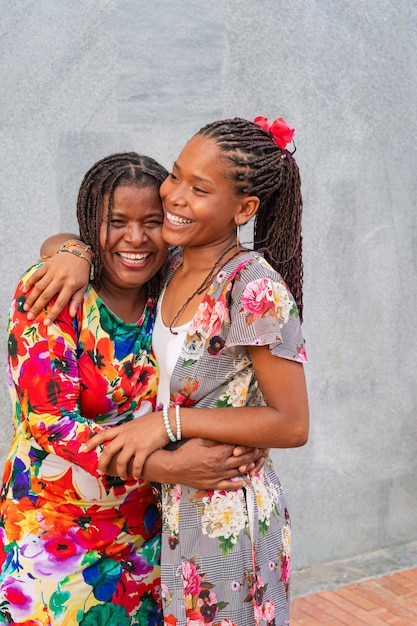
(176,493)
(237,270)
(210,317)
(191,579)
(258,299)
(21,596)
(219,316)
(202,318)
(301,355)
(52,557)
(268,611)
(226,622)
(257,610)
(286,569)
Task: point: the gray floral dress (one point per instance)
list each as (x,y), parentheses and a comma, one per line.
(226,555)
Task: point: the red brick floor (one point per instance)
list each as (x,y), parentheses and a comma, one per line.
(390,599)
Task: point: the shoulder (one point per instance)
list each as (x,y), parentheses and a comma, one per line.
(258,290)
(254,267)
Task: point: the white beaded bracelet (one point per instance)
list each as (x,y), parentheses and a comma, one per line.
(167,424)
(178,421)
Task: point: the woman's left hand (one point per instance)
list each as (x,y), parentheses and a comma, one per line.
(132,442)
(259,460)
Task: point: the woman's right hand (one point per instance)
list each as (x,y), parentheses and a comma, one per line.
(67,277)
(207,465)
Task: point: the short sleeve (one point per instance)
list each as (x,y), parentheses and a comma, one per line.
(263,312)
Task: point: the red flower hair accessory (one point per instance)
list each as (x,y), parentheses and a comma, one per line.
(279,130)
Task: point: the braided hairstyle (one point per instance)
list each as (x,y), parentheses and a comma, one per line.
(121,169)
(258,167)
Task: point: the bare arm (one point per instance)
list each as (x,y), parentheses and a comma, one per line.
(53,243)
(62,274)
(201,464)
(283,423)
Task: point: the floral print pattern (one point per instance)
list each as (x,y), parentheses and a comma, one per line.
(226,555)
(77,547)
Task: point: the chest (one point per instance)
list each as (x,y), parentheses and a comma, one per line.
(182,298)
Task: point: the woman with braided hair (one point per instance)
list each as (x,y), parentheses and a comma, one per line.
(79,546)
(230,349)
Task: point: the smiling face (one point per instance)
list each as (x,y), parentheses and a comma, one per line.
(200,203)
(135,250)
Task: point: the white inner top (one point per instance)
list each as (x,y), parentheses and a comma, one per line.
(167,348)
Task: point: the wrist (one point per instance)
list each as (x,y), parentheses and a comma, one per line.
(172,423)
(77,243)
(159,467)
(81,250)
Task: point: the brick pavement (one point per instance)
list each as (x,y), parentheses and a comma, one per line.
(390,599)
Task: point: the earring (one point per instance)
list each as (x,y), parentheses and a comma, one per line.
(237,237)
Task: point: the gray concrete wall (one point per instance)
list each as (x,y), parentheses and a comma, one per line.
(82,78)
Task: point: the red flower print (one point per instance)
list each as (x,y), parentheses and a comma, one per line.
(93,399)
(140,513)
(38,391)
(62,548)
(101,352)
(97,528)
(183,396)
(16,346)
(135,386)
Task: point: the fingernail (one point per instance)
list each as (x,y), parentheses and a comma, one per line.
(82,448)
(100,473)
(30,315)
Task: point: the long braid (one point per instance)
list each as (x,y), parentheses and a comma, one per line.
(125,168)
(258,167)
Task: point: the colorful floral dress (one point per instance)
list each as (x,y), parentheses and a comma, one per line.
(76,547)
(226,555)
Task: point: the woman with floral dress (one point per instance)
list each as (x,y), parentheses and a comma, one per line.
(78,546)
(230,350)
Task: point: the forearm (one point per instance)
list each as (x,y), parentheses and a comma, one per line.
(282,423)
(52,244)
(160,467)
(201,464)
(261,427)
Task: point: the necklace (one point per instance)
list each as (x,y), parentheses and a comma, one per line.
(205,284)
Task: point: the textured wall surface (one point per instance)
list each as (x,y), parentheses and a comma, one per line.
(82,78)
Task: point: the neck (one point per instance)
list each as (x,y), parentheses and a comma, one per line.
(195,278)
(203,259)
(128,305)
